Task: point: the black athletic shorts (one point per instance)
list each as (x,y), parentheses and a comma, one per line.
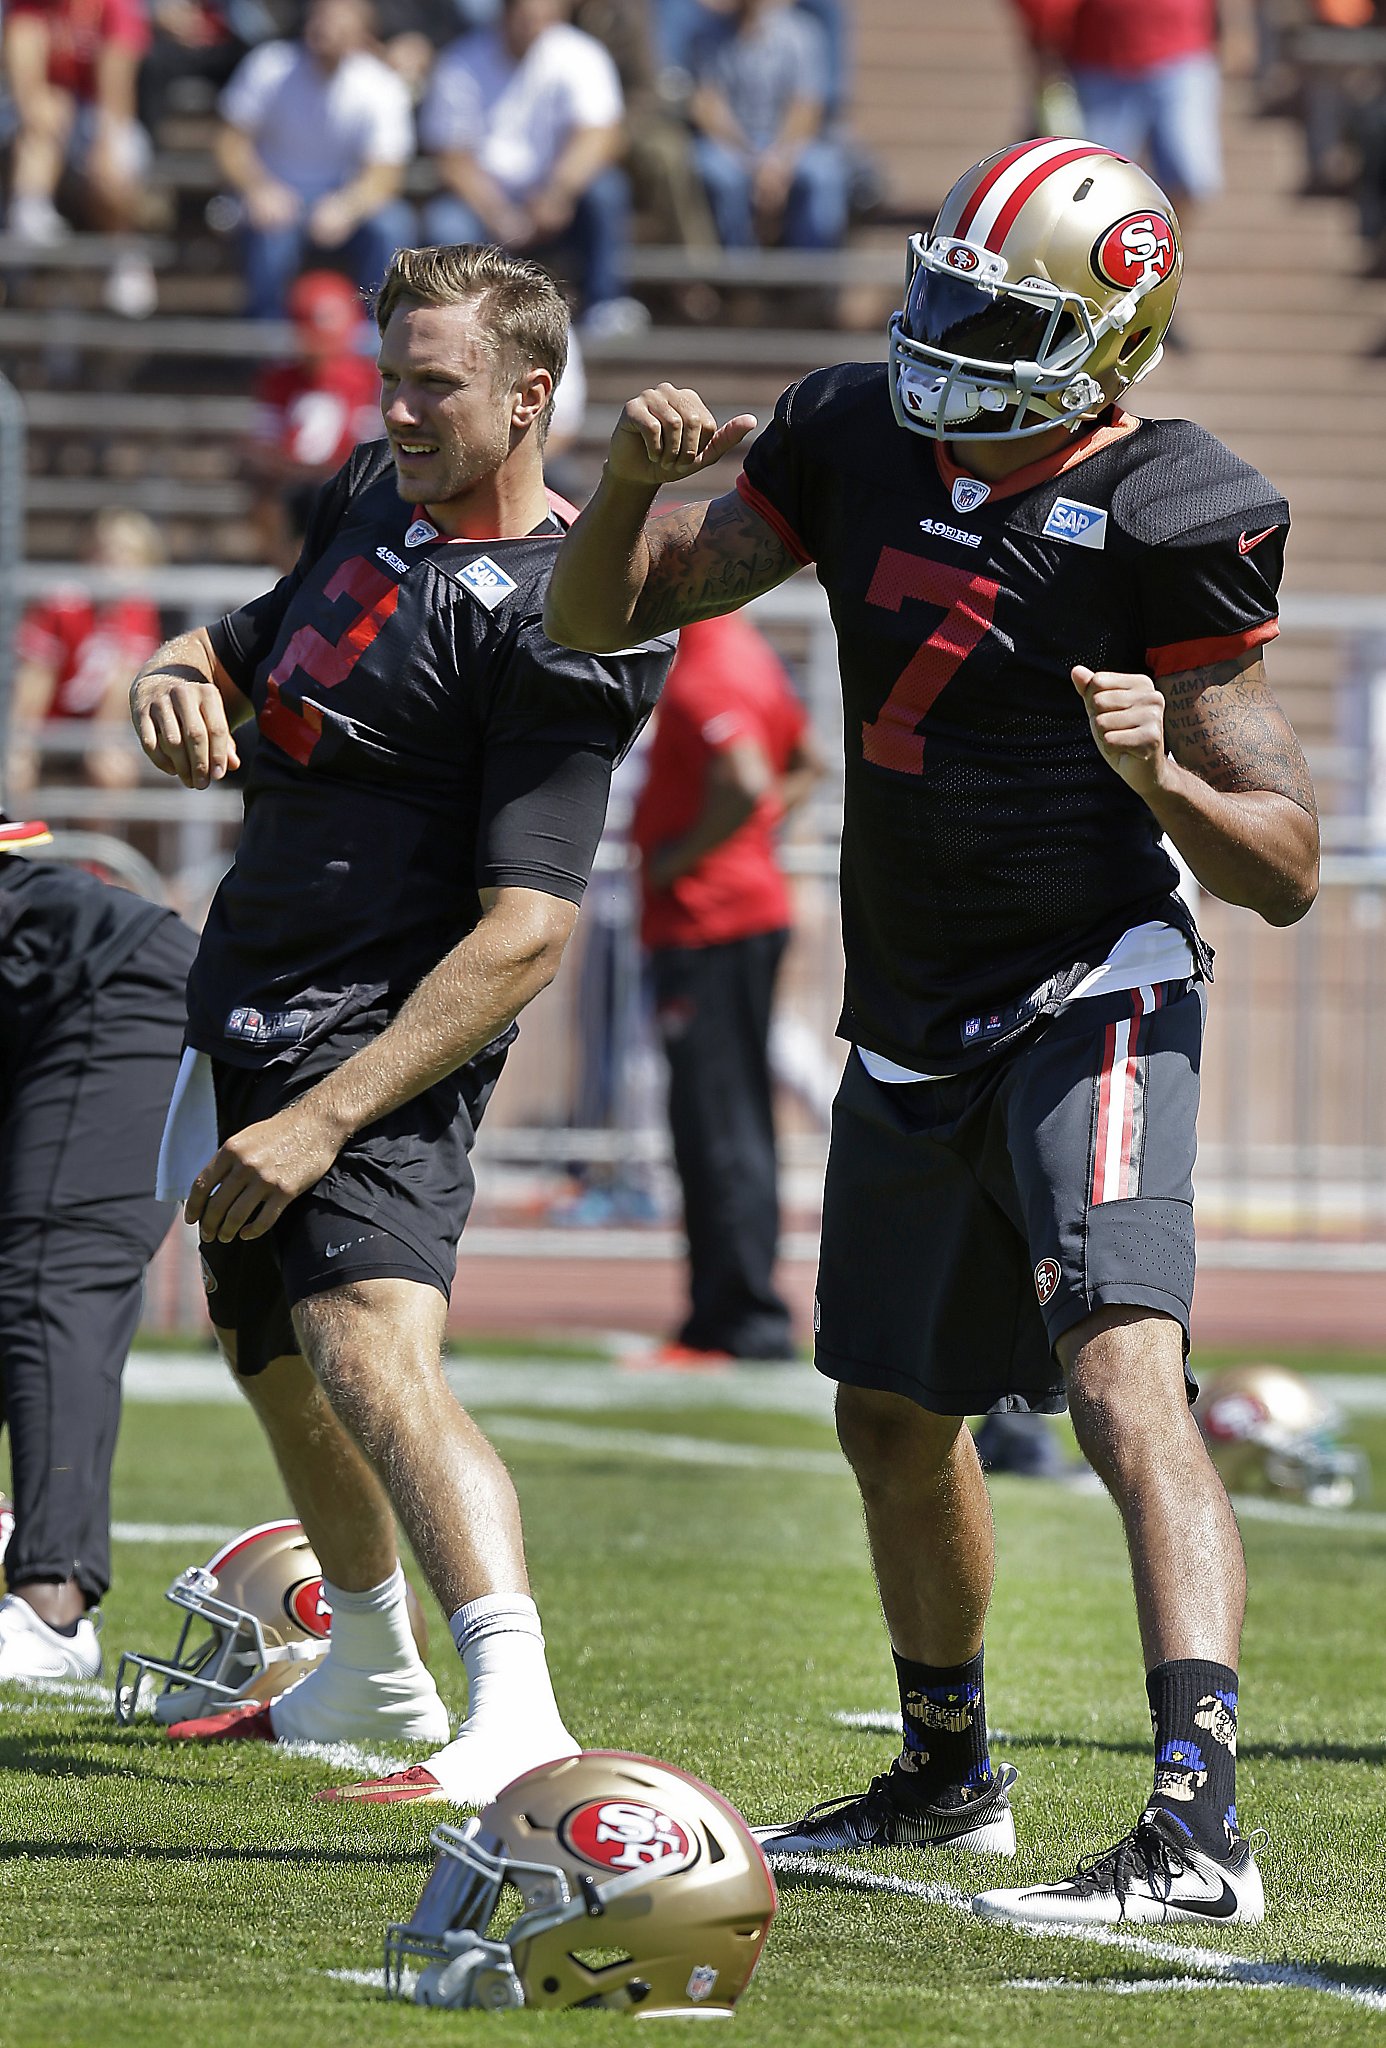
(392,1205)
(969,1222)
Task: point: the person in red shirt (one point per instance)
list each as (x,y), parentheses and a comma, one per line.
(76,655)
(731,755)
(312,411)
(72,67)
(1148,81)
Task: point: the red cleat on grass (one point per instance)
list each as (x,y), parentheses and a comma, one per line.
(249,1722)
(417,1786)
(676,1357)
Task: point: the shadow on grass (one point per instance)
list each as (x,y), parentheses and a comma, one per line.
(311,1854)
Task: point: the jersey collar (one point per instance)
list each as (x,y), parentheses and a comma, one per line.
(1113,426)
(561,514)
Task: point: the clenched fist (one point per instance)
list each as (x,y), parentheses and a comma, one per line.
(1127,716)
(665,435)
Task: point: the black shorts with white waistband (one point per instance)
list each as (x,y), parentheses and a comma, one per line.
(392,1205)
(969,1222)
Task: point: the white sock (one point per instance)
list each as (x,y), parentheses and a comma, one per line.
(513,1722)
(372,1684)
(371,1631)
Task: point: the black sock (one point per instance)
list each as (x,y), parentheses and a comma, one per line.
(945,1720)
(1193,1706)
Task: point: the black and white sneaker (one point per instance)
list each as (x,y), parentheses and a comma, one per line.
(1154,1873)
(881,1818)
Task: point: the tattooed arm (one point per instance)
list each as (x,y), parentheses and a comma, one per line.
(621,575)
(1214,757)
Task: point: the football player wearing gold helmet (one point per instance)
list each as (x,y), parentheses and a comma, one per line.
(1049,617)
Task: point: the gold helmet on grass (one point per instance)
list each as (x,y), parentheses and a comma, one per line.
(255,1621)
(1270,1431)
(640,1890)
(1044,291)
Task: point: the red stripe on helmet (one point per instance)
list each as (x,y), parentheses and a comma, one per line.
(1002,164)
(1028,187)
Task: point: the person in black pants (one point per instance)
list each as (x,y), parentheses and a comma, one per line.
(731,754)
(91,1027)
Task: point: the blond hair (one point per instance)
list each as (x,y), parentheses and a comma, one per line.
(525,314)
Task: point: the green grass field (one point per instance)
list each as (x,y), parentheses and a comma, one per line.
(701,1570)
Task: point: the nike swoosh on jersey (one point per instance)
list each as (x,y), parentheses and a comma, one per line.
(1249,541)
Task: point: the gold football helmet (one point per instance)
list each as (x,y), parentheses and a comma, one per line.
(1044,291)
(640,1891)
(1269,1431)
(254,1622)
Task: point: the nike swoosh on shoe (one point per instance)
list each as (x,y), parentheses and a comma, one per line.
(416,1786)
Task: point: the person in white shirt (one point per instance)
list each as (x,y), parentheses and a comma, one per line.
(315,138)
(526,120)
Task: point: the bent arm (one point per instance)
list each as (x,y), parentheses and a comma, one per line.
(1240,805)
(737,778)
(474,993)
(620,575)
(1215,758)
(183,706)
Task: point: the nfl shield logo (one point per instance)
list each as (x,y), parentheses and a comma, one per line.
(419,532)
(968,493)
(701,1982)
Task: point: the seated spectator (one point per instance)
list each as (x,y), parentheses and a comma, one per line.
(192,40)
(76,655)
(311,411)
(1148,82)
(758,111)
(659,148)
(526,122)
(71,67)
(315,139)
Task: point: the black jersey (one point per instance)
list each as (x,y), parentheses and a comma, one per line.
(989,854)
(61,931)
(421,739)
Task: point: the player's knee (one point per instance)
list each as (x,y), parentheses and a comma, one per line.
(887,1439)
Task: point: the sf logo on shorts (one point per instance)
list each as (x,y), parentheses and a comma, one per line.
(1047,1278)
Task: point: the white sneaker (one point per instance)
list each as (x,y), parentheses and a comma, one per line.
(1153,1874)
(131,289)
(32,1651)
(611,319)
(35,219)
(469,1771)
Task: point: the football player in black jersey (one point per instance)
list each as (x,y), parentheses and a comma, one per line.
(1050,618)
(420,821)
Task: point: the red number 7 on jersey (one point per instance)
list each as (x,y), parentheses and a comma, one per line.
(892,739)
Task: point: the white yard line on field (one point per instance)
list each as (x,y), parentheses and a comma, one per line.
(1131,1985)
(209,1533)
(660,1444)
(1246,1972)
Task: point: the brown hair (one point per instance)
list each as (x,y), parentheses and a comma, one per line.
(526,315)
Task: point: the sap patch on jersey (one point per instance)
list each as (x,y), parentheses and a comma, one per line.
(1084,525)
(487,581)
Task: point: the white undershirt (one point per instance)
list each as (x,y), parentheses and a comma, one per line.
(1147,953)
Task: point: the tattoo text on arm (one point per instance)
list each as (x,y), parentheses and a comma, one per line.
(1224,724)
(708,559)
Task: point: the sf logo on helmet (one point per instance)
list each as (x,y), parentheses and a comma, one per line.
(1138,250)
(623,1834)
(306,1604)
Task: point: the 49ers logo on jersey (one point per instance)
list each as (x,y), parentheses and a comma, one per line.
(624,1834)
(1137,251)
(305,1604)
